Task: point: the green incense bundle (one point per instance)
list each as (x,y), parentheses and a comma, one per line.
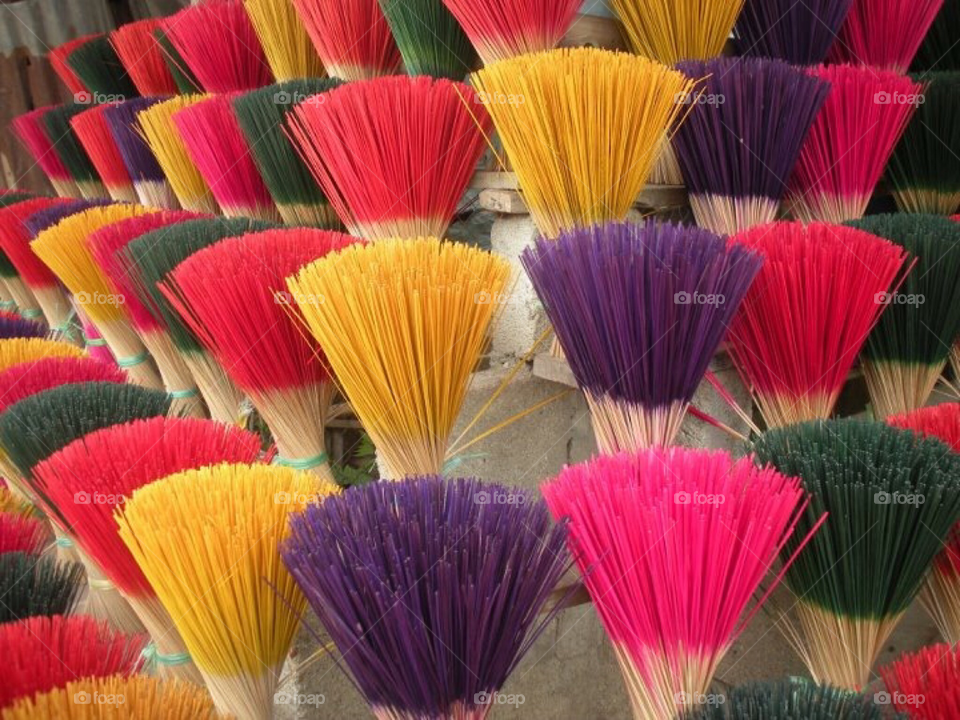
(911,343)
(186,82)
(32,586)
(940,49)
(70,151)
(430,39)
(97,64)
(892,498)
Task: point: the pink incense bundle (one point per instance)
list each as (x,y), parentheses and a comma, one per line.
(672,545)
(352,37)
(220,46)
(32,132)
(105,246)
(22,381)
(94,134)
(232,295)
(93,341)
(394,155)
(142,57)
(218,148)
(850,142)
(884,34)
(58,61)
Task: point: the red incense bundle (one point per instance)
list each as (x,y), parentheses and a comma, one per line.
(92,130)
(884,34)
(32,132)
(58,61)
(23,534)
(216,144)
(142,57)
(394,155)
(21,381)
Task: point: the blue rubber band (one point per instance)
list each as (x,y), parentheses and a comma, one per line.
(129,362)
(301,463)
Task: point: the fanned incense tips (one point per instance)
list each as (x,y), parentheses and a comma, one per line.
(923,684)
(25,534)
(909,347)
(44,653)
(352,37)
(262,115)
(672,602)
(58,61)
(32,586)
(67,146)
(96,64)
(884,34)
(403,323)
(285,40)
(185,79)
(740,142)
(99,699)
(892,498)
(93,132)
(582,128)
(142,57)
(475,577)
(24,350)
(850,142)
(789,699)
(800,33)
(232,295)
(502,29)
(802,323)
(157,126)
(940,49)
(674,30)
(214,533)
(430,39)
(394,155)
(639,311)
(220,46)
(13,325)
(21,381)
(32,132)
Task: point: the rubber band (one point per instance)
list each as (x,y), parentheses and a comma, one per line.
(100,584)
(301,463)
(183,394)
(31,313)
(94,342)
(8,305)
(152,656)
(64,542)
(129,362)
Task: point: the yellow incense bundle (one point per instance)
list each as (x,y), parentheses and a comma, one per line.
(64,249)
(285,41)
(675,30)
(582,128)
(207,540)
(162,136)
(17,351)
(403,323)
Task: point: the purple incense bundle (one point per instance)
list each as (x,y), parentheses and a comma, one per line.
(151,184)
(639,311)
(431,589)
(13,325)
(40,221)
(800,33)
(740,142)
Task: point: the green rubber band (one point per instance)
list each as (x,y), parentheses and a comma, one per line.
(31,313)
(301,463)
(64,542)
(129,362)
(94,342)
(152,656)
(101,584)
(182,394)
(8,305)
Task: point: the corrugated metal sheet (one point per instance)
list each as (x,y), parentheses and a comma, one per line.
(43,24)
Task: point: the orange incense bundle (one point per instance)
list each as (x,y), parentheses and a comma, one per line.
(394,155)
(91,128)
(142,57)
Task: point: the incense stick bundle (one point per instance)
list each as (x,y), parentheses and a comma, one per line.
(544,105)
(58,61)
(850,142)
(215,143)
(152,187)
(429,38)
(403,323)
(44,653)
(639,311)
(25,534)
(284,39)
(220,46)
(352,37)
(884,34)
(673,603)
(670,31)
(924,176)
(394,155)
(808,313)
(940,595)
(742,138)
(213,532)
(64,249)
(142,57)
(156,124)
(909,347)
(185,79)
(70,151)
(939,49)
(12,503)
(32,586)
(477,575)
(143,697)
(17,295)
(262,115)
(24,350)
(93,132)
(788,699)
(507,28)
(892,500)
(97,469)
(32,132)
(96,63)
(21,381)
(923,684)
(105,246)
(13,325)
(148,259)
(227,294)
(798,33)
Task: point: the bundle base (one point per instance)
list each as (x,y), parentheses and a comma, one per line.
(828,207)
(64,187)
(306,215)
(727,215)
(257,212)
(936,202)
(131,353)
(297,417)
(105,601)
(92,190)
(398,458)
(244,696)
(58,311)
(401,228)
(175,374)
(666,169)
(163,632)
(123,193)
(940,597)
(780,410)
(27,303)
(222,397)
(621,426)
(896,388)
(157,194)
(658,687)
